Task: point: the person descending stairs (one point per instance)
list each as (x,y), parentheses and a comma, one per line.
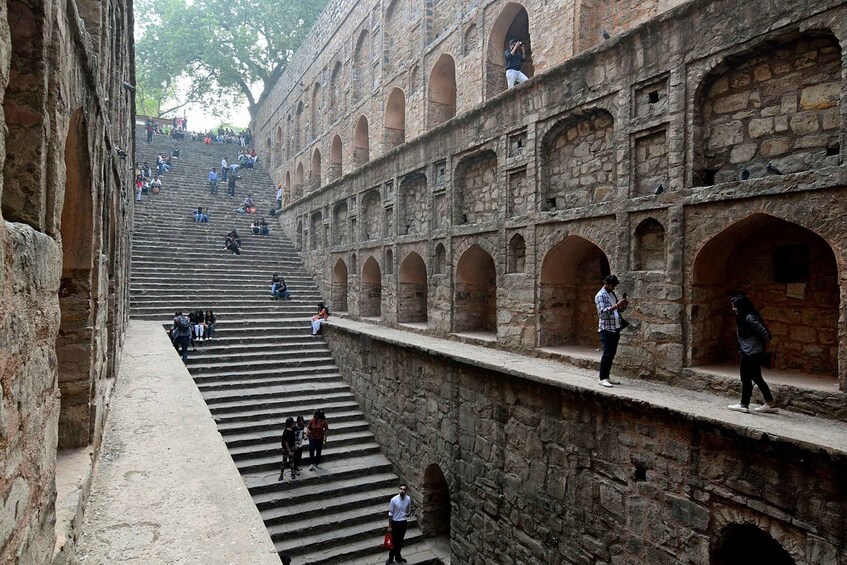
(262,365)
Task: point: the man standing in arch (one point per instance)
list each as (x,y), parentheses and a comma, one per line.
(610,325)
(515,57)
(399,510)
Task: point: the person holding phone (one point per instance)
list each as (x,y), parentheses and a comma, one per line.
(611,322)
(515,56)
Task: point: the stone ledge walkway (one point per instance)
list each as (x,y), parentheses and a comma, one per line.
(165,489)
(808,432)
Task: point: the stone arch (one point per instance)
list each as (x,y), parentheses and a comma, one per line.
(339,286)
(761,255)
(571,274)
(412,200)
(299,242)
(315,170)
(361,142)
(476,196)
(269,152)
(298,181)
(370,302)
(287,193)
(395,17)
(316,110)
(299,128)
(441,90)
(361,66)
(389,261)
(440,264)
(475,292)
(436,503)
(516,262)
(649,246)
(471,38)
(339,223)
(336,158)
(289,129)
(412,303)
(414,79)
(777,102)
(335,92)
(371,211)
(315,231)
(278,155)
(573,150)
(394,131)
(513,22)
(75,340)
(353,263)
(747,543)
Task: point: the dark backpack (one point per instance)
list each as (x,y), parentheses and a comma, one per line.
(184,323)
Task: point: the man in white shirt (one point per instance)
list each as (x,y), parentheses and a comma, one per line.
(279,196)
(399,510)
(224,168)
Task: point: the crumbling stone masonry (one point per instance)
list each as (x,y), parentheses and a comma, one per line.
(645,154)
(64,247)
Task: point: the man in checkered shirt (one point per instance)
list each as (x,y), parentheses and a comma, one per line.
(608,312)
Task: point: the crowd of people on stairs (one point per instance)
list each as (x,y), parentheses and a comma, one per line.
(189,329)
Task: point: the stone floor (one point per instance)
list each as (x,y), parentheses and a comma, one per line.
(165,489)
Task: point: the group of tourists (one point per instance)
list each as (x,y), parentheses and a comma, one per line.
(295,435)
(146,182)
(188,329)
(225,136)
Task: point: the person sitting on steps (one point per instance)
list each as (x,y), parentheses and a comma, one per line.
(201,216)
(264,228)
(319,318)
(233,242)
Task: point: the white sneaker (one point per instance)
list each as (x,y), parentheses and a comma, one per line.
(766,409)
(318,467)
(739,408)
(613,381)
(606,383)
(311,467)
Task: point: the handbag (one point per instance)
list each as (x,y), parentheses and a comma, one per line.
(388,541)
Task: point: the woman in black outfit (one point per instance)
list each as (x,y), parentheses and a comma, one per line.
(210,325)
(752,336)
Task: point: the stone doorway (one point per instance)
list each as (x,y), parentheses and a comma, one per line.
(475,292)
(413,290)
(571,274)
(339,286)
(436,503)
(790,273)
(513,22)
(395,119)
(740,544)
(442,91)
(75,341)
(370,305)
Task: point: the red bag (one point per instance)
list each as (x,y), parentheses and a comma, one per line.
(388,542)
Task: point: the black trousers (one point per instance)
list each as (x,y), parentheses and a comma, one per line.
(398,534)
(182,342)
(751,372)
(610,342)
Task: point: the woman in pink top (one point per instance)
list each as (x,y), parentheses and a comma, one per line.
(319,318)
(317,430)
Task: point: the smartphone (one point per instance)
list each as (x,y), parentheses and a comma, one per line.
(624,296)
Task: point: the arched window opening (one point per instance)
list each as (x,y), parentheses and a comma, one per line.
(299,242)
(517,254)
(475,292)
(412,303)
(788,271)
(299,129)
(395,119)
(571,274)
(287,196)
(512,23)
(361,142)
(436,503)
(75,339)
(649,248)
(740,544)
(440,266)
(442,91)
(289,132)
(353,263)
(298,181)
(335,159)
(315,232)
(315,171)
(339,286)
(335,92)
(317,110)
(278,147)
(370,305)
(361,66)
(389,262)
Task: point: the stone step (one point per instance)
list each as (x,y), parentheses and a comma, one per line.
(258,415)
(251,381)
(235,407)
(218,398)
(323,363)
(331,456)
(274,434)
(277,422)
(271,447)
(352,493)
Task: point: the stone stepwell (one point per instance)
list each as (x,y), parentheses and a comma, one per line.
(262,365)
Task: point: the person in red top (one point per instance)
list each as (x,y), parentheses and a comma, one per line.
(319,318)
(317,430)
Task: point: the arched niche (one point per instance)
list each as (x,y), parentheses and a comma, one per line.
(777,103)
(412,303)
(361,66)
(412,199)
(315,170)
(335,92)
(740,544)
(339,286)
(790,273)
(370,301)
(516,262)
(278,147)
(436,503)
(475,292)
(441,91)
(371,214)
(649,246)
(571,274)
(335,159)
(389,261)
(316,109)
(440,264)
(298,181)
(512,23)
(316,231)
(289,136)
(578,161)
(299,128)
(299,241)
(476,197)
(339,224)
(361,142)
(394,132)
(75,340)
(395,18)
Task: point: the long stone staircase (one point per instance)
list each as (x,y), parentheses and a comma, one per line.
(263,365)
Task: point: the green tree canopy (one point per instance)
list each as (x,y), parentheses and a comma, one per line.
(215,52)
